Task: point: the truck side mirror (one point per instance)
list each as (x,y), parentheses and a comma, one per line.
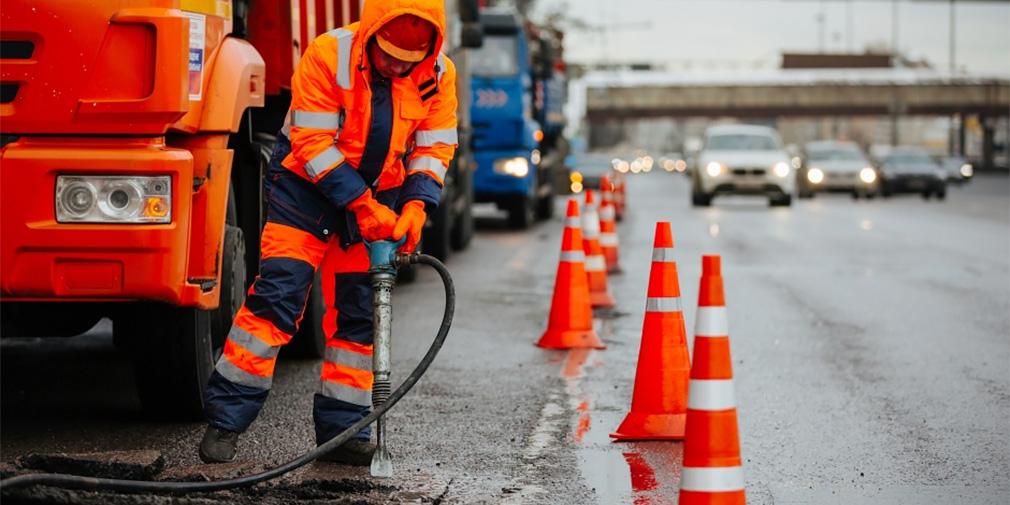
(472,35)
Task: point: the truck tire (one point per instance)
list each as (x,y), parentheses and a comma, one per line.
(436,236)
(310,340)
(233,279)
(462,230)
(545,206)
(175,348)
(173,356)
(520,212)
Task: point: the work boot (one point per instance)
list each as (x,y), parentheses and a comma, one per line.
(218,445)
(353,452)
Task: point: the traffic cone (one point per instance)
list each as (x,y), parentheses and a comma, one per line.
(596,265)
(571,321)
(713,470)
(608,226)
(619,196)
(659,403)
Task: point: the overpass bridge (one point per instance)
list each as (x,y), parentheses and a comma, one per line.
(615,96)
(788,93)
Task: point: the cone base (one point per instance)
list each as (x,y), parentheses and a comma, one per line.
(601,300)
(615,270)
(639,426)
(712,498)
(570,339)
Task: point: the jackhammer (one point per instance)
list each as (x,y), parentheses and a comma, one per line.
(385,261)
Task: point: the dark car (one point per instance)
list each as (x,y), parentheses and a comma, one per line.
(912,170)
(589,169)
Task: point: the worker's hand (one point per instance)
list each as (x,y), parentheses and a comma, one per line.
(411,222)
(375,220)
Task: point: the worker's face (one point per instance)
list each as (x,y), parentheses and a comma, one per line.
(387,65)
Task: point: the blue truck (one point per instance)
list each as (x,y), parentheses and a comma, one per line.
(517,95)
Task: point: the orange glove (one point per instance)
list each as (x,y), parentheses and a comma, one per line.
(410,223)
(375,220)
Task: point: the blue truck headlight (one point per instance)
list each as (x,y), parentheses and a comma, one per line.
(113,199)
(516,167)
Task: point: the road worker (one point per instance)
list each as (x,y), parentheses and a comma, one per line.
(372,129)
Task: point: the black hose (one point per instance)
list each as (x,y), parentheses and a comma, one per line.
(138,486)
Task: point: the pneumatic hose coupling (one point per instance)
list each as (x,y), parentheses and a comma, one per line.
(404,259)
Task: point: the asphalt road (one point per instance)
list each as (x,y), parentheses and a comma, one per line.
(871,353)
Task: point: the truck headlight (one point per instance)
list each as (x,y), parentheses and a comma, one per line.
(113,199)
(713,169)
(516,167)
(781,169)
(868,175)
(815,175)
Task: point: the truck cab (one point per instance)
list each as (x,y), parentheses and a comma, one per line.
(506,133)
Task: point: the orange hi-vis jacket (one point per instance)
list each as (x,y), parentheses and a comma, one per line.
(330,114)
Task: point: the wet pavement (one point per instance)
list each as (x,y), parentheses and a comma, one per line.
(870,345)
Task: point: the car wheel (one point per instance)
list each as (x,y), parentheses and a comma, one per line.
(545,206)
(941,195)
(462,232)
(926,195)
(700,199)
(781,201)
(806,195)
(855,195)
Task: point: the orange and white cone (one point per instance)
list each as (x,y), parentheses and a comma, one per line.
(713,471)
(596,264)
(608,226)
(659,404)
(571,321)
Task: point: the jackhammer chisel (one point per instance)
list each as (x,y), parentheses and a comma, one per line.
(384,262)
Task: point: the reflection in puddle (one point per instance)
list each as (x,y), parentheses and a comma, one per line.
(643,478)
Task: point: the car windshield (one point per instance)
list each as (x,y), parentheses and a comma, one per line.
(909,158)
(496,58)
(835,154)
(593,166)
(741,142)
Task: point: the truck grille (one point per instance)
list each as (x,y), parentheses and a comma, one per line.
(748,171)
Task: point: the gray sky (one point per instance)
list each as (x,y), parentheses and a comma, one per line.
(721,34)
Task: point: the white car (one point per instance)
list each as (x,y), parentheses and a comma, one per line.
(743,160)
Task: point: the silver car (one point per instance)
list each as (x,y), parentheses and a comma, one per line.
(837,166)
(743,160)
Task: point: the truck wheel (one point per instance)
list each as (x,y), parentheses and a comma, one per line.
(310,340)
(545,206)
(436,236)
(233,278)
(521,213)
(173,356)
(462,232)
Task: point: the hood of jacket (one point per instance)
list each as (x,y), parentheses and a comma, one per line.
(376,13)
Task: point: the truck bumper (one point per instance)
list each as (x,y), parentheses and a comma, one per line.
(489,186)
(42,260)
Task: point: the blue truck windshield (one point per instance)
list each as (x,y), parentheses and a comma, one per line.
(496,58)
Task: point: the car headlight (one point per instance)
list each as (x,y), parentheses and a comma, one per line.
(815,175)
(967,170)
(622,166)
(113,199)
(714,169)
(781,169)
(516,167)
(868,175)
(680,165)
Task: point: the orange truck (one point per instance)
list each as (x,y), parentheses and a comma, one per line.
(135,135)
